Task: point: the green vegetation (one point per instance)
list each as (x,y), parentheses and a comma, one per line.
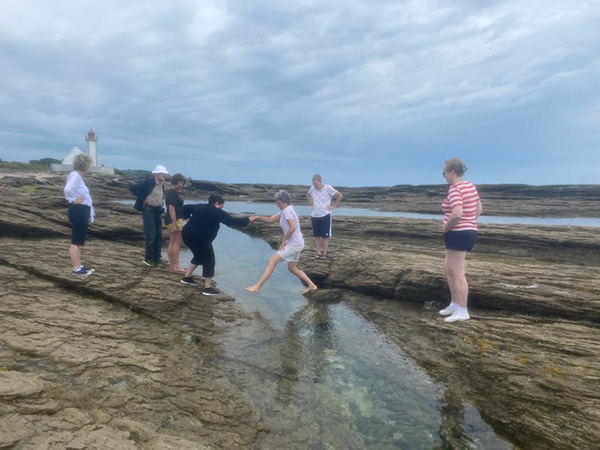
(132,172)
(28,189)
(45,161)
(23,167)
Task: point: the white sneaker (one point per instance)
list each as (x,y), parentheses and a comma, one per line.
(448,310)
(456,316)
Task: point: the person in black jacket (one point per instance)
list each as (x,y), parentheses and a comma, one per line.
(199,233)
(150,195)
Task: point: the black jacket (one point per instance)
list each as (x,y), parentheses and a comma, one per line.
(205,222)
(142,190)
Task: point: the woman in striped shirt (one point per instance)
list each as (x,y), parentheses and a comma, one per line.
(461,209)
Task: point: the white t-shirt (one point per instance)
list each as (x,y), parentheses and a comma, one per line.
(76,188)
(296,239)
(321,199)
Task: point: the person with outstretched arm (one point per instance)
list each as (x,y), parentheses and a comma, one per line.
(291,245)
(199,233)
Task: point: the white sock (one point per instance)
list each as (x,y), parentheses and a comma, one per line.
(462,310)
(454,306)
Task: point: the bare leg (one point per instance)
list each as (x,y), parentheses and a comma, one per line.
(293,267)
(273,261)
(318,246)
(75,255)
(173,251)
(454,266)
(190,269)
(207,282)
(325,246)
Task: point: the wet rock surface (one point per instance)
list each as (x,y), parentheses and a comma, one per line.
(126,358)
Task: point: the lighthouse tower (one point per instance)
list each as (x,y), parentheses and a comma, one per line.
(92,146)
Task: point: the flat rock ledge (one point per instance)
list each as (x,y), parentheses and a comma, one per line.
(117,361)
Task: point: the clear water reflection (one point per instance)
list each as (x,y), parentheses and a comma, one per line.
(323,376)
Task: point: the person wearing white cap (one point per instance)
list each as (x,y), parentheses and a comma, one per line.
(150,195)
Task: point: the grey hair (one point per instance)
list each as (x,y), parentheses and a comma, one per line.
(82,162)
(317,177)
(284,197)
(455,165)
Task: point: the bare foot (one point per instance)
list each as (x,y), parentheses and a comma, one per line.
(253,289)
(309,289)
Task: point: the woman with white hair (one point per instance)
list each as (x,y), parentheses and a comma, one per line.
(291,245)
(81,211)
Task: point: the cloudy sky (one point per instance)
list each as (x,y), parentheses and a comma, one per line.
(369,92)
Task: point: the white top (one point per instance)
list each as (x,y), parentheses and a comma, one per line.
(321,200)
(76,188)
(296,239)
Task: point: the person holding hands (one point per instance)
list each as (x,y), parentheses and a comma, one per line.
(291,245)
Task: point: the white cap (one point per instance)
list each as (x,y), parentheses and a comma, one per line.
(160,169)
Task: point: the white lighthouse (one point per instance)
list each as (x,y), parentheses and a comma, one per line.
(92,146)
(92,142)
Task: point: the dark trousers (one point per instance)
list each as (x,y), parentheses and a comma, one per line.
(204,254)
(152,232)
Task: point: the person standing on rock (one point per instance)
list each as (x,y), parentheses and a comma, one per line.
(200,232)
(461,209)
(320,196)
(81,211)
(291,245)
(150,195)
(174,221)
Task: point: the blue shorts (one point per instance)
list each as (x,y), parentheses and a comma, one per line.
(321,226)
(462,241)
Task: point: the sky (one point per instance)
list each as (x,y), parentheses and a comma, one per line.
(366,93)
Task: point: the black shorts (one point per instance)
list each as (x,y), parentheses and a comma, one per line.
(79,216)
(321,226)
(462,241)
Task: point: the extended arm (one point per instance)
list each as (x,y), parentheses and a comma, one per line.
(266,219)
(226,219)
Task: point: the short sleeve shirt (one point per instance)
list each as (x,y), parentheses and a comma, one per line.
(172,198)
(462,194)
(321,200)
(296,239)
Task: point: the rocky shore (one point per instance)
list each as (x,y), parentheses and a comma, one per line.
(105,362)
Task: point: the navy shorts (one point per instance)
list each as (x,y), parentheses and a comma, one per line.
(79,216)
(321,226)
(462,241)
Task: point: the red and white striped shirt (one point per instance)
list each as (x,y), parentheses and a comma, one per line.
(462,194)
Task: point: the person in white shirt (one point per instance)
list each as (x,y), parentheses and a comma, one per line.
(291,245)
(81,211)
(320,196)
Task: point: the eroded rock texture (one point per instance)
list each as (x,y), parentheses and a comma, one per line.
(119,361)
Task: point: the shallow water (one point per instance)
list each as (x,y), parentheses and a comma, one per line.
(304,210)
(322,375)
